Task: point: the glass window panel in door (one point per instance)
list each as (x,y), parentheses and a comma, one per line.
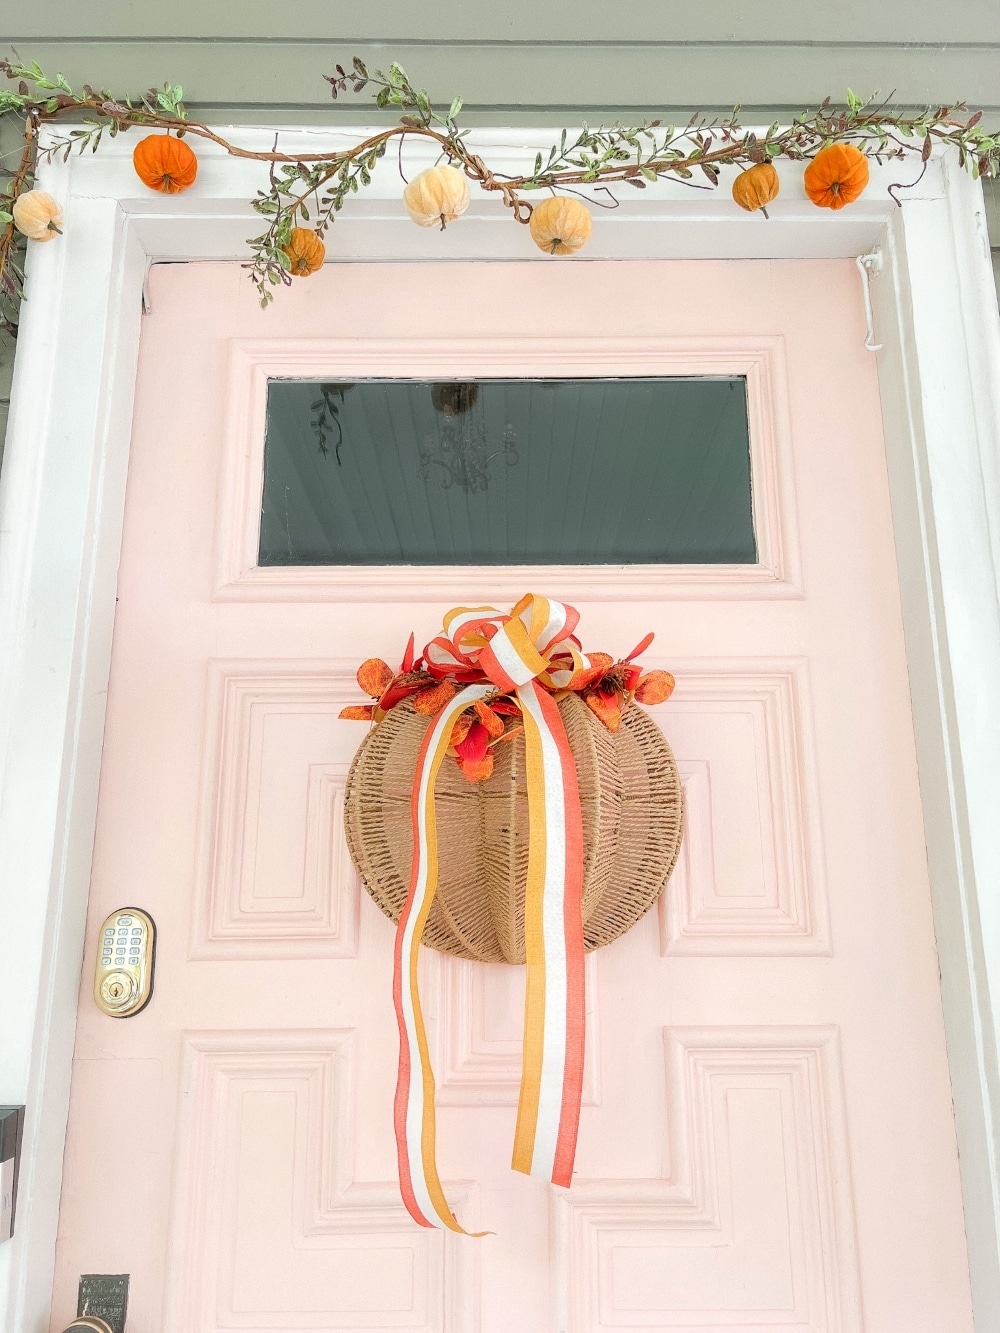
(500,472)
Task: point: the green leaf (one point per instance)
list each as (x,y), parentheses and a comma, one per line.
(455,108)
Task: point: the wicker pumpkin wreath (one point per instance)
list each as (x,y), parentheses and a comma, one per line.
(630,796)
(511,804)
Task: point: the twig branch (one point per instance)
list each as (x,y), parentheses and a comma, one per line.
(313,187)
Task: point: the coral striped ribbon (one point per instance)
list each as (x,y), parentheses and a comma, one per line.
(516,655)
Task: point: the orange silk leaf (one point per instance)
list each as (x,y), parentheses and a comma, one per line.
(375,676)
(461,728)
(477,770)
(473,757)
(608,707)
(489,719)
(600,663)
(654,687)
(358,713)
(431,700)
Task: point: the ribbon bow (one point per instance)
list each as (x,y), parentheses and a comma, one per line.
(521,653)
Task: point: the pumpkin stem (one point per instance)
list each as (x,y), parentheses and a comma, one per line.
(442,222)
(554,247)
(51,226)
(835,187)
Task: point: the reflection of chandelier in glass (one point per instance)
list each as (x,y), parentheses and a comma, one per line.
(461,447)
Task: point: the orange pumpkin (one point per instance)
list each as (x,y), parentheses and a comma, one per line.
(165,163)
(836,176)
(755,188)
(305,251)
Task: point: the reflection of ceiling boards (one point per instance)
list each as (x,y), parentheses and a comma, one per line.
(560,471)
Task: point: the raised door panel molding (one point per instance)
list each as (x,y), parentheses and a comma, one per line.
(274,878)
(760,359)
(750,876)
(755,1210)
(478,1019)
(270,1230)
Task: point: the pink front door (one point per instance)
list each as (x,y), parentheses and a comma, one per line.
(766,1138)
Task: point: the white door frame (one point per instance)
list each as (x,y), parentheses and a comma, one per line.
(62,497)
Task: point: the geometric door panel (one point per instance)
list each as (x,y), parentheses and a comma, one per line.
(755,1206)
(475,1020)
(749,879)
(271,1230)
(274,876)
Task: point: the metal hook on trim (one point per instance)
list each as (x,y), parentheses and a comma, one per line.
(147,305)
(867,265)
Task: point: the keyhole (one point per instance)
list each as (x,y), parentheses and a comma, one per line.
(116,990)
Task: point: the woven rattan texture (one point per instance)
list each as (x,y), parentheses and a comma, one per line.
(632,804)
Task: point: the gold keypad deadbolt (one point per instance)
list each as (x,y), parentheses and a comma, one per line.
(124,980)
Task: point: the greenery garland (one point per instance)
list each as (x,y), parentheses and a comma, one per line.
(309,189)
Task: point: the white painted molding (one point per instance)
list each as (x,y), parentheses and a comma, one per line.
(61,504)
(939,371)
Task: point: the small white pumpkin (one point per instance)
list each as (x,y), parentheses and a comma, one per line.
(37,215)
(437,196)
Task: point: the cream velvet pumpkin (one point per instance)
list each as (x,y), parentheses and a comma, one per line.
(37,215)
(437,196)
(560,226)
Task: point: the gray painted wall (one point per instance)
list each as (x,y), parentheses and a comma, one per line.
(528,57)
(247,61)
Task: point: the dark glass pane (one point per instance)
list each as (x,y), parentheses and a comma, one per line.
(500,472)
